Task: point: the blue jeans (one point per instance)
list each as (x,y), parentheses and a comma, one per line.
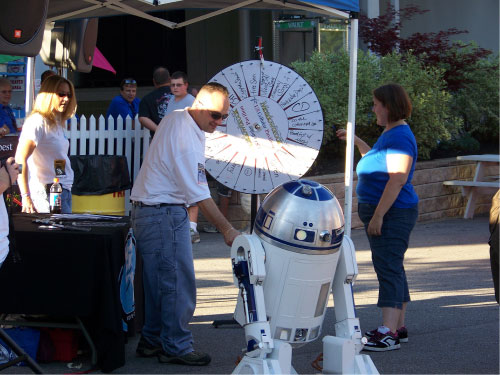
(388,252)
(164,242)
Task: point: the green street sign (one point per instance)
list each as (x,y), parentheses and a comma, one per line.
(298,24)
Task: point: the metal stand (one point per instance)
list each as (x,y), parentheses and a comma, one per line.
(254,199)
(21,355)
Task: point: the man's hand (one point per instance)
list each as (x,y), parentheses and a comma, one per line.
(4,130)
(212,213)
(11,169)
(230,235)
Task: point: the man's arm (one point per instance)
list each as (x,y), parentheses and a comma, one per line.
(11,169)
(213,214)
(148,123)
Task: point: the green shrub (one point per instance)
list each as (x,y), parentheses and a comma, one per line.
(477,102)
(431,120)
(458,145)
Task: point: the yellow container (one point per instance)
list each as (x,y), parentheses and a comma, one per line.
(106,204)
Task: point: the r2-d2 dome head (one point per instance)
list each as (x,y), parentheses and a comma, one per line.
(301,216)
(301,227)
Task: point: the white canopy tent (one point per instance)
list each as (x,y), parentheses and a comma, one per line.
(342,9)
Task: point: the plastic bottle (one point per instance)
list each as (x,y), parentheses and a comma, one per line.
(55,197)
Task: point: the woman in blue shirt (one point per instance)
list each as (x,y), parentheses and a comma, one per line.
(388,207)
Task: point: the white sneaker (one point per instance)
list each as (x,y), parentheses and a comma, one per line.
(209,228)
(195,236)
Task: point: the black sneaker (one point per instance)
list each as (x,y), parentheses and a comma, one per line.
(382,342)
(402,334)
(145,349)
(190,359)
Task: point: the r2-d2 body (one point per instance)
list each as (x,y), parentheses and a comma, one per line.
(285,271)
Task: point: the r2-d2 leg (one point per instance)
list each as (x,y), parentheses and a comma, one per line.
(341,353)
(263,354)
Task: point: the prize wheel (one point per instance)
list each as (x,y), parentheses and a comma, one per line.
(273,132)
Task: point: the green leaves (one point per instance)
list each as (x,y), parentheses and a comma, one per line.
(432,119)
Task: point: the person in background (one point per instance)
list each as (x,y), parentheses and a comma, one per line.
(125,104)
(171,176)
(7,119)
(179,88)
(388,208)
(48,73)
(494,240)
(8,174)
(181,99)
(153,106)
(43,147)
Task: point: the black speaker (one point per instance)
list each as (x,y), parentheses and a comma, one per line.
(70,44)
(21,26)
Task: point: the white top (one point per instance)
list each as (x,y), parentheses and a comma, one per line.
(4,231)
(173,170)
(186,101)
(51,144)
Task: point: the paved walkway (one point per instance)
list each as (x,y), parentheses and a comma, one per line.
(452,319)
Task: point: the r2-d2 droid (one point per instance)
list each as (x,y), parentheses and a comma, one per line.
(285,270)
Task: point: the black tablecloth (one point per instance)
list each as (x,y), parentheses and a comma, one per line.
(68,273)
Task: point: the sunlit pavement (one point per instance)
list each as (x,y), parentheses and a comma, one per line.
(452,319)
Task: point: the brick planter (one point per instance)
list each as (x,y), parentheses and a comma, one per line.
(436,200)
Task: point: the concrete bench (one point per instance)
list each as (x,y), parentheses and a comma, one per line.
(471,189)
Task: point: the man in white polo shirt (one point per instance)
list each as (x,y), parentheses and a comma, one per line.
(172,175)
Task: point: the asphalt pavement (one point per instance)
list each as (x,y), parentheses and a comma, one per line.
(452,320)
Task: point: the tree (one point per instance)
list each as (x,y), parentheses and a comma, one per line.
(382,35)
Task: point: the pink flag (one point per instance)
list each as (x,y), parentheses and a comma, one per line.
(101,62)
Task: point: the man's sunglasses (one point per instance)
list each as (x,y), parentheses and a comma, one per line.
(214,114)
(63,94)
(217,115)
(129,82)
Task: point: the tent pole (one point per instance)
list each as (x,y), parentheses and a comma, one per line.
(29,85)
(351,123)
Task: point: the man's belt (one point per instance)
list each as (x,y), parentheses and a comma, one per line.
(141,204)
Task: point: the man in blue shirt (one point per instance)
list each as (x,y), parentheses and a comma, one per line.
(7,119)
(125,104)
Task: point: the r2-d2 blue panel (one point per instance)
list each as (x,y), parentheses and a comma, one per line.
(301,216)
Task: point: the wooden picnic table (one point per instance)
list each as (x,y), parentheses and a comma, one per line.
(478,186)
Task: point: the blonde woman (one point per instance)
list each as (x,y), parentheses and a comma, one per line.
(43,147)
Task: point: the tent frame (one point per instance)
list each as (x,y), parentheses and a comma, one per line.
(118,5)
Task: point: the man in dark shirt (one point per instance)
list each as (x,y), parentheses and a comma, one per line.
(154,105)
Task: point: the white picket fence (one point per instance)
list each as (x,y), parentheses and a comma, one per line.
(90,137)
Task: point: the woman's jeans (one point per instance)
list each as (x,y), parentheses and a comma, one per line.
(66,201)
(164,242)
(388,251)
